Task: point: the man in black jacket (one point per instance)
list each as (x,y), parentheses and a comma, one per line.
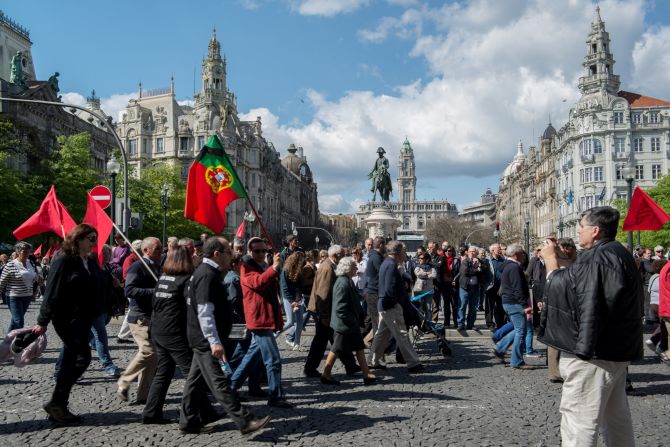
(593,314)
(209,320)
(375,258)
(139,290)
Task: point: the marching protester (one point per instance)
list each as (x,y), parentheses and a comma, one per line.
(18,281)
(593,316)
(71,302)
(290,280)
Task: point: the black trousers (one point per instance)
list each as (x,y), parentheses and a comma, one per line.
(173,351)
(75,356)
(324,334)
(494,314)
(205,368)
(451,303)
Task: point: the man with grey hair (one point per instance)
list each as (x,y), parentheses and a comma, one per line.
(516,302)
(392,294)
(139,289)
(320,304)
(494,314)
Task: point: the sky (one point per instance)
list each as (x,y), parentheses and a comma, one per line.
(464,81)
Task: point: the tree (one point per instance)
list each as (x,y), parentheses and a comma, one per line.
(458,231)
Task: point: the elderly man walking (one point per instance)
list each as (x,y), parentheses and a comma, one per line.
(392,294)
(593,315)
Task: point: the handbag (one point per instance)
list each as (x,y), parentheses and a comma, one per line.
(239,332)
(418,285)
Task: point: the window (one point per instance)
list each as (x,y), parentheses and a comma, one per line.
(619,145)
(183,144)
(637,144)
(637,118)
(598,174)
(159,146)
(639,172)
(655,172)
(653,117)
(132,146)
(585,147)
(587,176)
(618,117)
(201,141)
(618,170)
(597,147)
(184,172)
(655,144)
(145,146)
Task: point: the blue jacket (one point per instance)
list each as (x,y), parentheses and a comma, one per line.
(372,272)
(391,285)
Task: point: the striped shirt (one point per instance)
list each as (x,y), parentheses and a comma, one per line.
(17,279)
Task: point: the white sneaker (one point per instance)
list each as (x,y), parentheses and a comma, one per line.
(650,344)
(289,343)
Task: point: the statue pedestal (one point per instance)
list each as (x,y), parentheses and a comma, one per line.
(382,222)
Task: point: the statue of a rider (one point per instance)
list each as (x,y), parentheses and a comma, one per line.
(381,179)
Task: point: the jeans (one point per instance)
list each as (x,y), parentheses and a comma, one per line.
(518,318)
(18,306)
(262,341)
(98,337)
(294,320)
(239,350)
(468,299)
(504,330)
(505,342)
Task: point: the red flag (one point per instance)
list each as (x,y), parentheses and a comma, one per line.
(52,251)
(212,185)
(38,250)
(98,219)
(52,216)
(240,231)
(644,213)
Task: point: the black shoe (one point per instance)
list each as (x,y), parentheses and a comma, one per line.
(138,402)
(329,381)
(461,329)
(313,373)
(556,379)
(353,370)
(416,369)
(255,425)
(156,421)
(280,403)
(60,414)
(124,341)
(498,355)
(369,380)
(260,394)
(205,429)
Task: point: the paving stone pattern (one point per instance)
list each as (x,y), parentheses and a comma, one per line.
(467,400)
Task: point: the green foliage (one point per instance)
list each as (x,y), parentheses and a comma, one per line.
(661,195)
(145,197)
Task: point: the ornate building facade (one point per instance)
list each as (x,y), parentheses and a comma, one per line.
(483,213)
(415,215)
(582,164)
(156,128)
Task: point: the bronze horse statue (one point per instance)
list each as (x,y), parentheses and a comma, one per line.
(383,185)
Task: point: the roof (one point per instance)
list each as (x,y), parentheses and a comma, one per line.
(635,100)
(549,132)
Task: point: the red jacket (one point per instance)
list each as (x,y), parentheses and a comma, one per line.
(259,294)
(664,291)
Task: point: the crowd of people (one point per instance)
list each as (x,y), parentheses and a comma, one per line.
(216,312)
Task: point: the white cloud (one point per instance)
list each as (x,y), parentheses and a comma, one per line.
(327,8)
(112,105)
(651,63)
(333,203)
(499,70)
(250,4)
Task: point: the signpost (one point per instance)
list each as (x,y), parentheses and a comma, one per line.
(102,195)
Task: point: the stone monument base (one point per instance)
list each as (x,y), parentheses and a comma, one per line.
(382,222)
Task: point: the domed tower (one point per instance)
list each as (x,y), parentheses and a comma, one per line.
(406,174)
(598,62)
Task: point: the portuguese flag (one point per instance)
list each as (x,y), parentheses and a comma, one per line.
(212,185)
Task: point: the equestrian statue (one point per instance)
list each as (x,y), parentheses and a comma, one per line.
(381,179)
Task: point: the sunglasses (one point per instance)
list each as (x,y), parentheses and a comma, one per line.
(259,250)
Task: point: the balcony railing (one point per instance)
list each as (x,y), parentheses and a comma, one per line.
(620,155)
(588,158)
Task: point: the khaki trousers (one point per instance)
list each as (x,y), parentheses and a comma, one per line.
(143,366)
(594,399)
(553,356)
(392,323)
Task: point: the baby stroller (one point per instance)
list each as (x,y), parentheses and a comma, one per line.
(427,326)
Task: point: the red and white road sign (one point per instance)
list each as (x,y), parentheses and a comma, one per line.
(102,195)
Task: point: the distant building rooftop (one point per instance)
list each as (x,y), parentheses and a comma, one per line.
(637,101)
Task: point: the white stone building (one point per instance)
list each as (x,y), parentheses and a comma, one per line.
(13,38)
(156,128)
(415,215)
(581,165)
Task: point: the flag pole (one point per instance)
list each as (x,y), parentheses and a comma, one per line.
(137,253)
(260,222)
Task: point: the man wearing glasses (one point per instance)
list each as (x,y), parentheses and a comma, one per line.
(592,314)
(263,316)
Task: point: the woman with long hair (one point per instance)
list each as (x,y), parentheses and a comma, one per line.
(168,333)
(289,282)
(71,302)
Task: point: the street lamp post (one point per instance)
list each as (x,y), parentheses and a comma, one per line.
(165,201)
(316,239)
(108,125)
(526,230)
(629,176)
(113,167)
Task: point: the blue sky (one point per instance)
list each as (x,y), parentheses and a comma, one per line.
(464,81)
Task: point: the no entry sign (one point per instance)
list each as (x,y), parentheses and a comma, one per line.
(102,195)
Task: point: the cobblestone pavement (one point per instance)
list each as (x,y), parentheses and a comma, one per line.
(467,400)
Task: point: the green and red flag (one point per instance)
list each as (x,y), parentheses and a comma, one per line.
(212,185)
